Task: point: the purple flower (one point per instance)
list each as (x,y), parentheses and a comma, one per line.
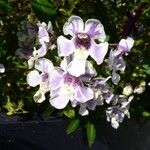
(125,45)
(44,31)
(116,62)
(119,110)
(82,44)
(34,78)
(65,87)
(44,41)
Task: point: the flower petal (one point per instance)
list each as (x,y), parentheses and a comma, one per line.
(42,50)
(43,34)
(120,64)
(56,80)
(39,97)
(31,62)
(73,26)
(78,64)
(65,46)
(125,44)
(115,77)
(95,29)
(34,78)
(44,65)
(83,94)
(59,102)
(98,51)
(83,111)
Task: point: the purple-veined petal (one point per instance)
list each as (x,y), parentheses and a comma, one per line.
(120,64)
(34,78)
(125,44)
(56,79)
(59,102)
(73,26)
(95,29)
(43,34)
(98,51)
(44,65)
(42,50)
(78,64)
(65,46)
(91,104)
(83,94)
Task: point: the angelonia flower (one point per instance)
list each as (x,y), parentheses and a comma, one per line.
(75,82)
(40,76)
(44,40)
(116,113)
(82,43)
(116,61)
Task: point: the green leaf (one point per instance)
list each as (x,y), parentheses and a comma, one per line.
(146,114)
(70,113)
(73,125)
(43,7)
(91,133)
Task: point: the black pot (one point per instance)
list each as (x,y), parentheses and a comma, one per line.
(50,134)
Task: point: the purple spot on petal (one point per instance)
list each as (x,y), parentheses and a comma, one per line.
(83,40)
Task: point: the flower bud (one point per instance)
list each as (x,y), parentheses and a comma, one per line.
(128,90)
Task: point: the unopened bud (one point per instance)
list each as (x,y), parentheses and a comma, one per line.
(128,90)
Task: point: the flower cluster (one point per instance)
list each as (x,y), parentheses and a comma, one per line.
(76,82)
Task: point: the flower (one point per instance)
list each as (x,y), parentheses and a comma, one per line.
(102,93)
(82,44)
(65,87)
(116,62)
(35,78)
(117,112)
(44,41)
(43,32)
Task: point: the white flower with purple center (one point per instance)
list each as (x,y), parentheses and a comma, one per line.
(116,62)
(65,87)
(82,44)
(40,76)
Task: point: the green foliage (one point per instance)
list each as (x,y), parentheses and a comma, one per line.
(13,108)
(43,8)
(73,125)
(69,112)
(91,133)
